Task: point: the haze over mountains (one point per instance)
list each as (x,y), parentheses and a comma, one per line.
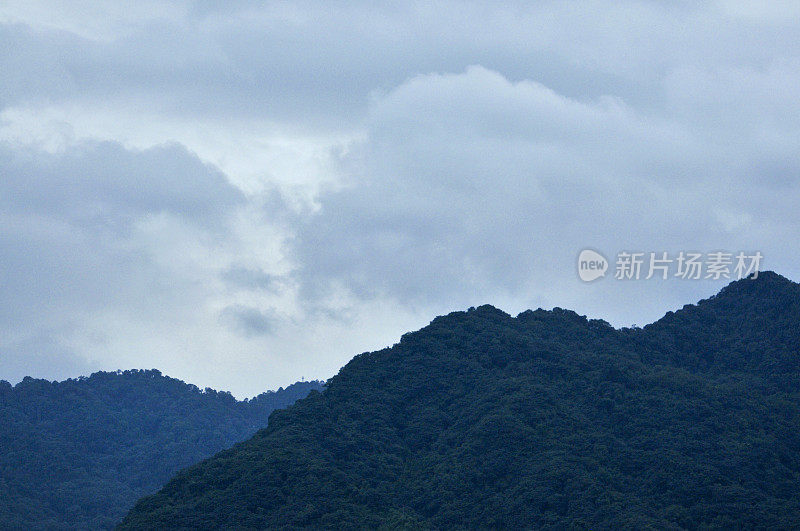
(77,454)
(547,419)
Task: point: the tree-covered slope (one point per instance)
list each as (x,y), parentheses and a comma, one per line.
(78,454)
(482,420)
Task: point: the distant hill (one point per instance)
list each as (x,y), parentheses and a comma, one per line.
(546,420)
(77,454)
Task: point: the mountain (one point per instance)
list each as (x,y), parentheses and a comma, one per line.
(77,454)
(544,420)
(749,326)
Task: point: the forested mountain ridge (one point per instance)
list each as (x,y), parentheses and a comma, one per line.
(751,325)
(77,454)
(546,420)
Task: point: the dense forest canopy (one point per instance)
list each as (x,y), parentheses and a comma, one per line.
(547,419)
(77,454)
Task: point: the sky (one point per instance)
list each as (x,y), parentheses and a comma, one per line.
(243,194)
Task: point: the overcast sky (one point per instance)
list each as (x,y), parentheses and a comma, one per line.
(241,194)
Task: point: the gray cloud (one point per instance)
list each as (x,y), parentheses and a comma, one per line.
(390,162)
(100,184)
(71,239)
(317,63)
(247,320)
(253,279)
(471,187)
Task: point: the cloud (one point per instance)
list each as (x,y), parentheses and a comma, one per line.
(114,257)
(78,227)
(250,321)
(97,182)
(245,193)
(471,187)
(254,279)
(77,235)
(315,65)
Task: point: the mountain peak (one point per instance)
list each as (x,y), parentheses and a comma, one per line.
(728,330)
(766,284)
(769,297)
